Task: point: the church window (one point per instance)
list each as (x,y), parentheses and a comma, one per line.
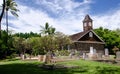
(90,24)
(90,34)
(85,24)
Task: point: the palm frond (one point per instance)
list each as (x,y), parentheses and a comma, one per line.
(14,13)
(46,26)
(14,9)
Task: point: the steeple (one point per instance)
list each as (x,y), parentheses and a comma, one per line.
(87,23)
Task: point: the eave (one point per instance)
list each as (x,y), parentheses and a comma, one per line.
(89,42)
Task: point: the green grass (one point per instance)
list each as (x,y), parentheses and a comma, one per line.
(32,67)
(93,67)
(26,67)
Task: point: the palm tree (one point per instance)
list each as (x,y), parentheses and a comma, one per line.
(44,30)
(10,5)
(1,16)
(47,30)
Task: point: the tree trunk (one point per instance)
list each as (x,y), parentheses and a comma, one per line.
(30,56)
(7,25)
(2,13)
(47,58)
(7,21)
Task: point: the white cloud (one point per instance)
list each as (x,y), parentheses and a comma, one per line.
(63,6)
(1,1)
(31,19)
(69,22)
(110,20)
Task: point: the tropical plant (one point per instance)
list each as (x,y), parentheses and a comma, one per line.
(47,30)
(10,5)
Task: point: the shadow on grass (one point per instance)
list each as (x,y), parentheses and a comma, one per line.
(33,68)
(28,68)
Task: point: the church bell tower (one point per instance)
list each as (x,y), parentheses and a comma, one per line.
(87,23)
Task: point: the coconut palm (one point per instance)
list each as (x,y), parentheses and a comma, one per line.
(12,7)
(47,30)
(44,30)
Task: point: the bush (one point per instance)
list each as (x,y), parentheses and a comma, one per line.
(62,53)
(12,56)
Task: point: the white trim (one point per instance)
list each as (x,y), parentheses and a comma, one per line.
(93,33)
(97,36)
(82,35)
(89,42)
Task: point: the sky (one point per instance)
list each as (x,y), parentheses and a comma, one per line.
(65,15)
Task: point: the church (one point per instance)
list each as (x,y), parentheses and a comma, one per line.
(88,41)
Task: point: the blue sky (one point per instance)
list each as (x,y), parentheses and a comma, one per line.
(65,15)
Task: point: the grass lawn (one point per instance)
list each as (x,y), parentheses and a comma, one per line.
(32,67)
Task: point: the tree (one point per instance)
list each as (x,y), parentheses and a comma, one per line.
(47,30)
(36,44)
(3,44)
(28,46)
(117,31)
(10,5)
(4,52)
(1,16)
(111,37)
(2,13)
(48,37)
(26,35)
(19,44)
(62,40)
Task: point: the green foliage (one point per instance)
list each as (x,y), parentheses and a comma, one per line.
(47,30)
(12,7)
(62,40)
(62,53)
(26,35)
(111,37)
(37,44)
(5,39)
(18,44)
(6,48)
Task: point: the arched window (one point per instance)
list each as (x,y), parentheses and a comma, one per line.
(90,24)
(85,24)
(90,34)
